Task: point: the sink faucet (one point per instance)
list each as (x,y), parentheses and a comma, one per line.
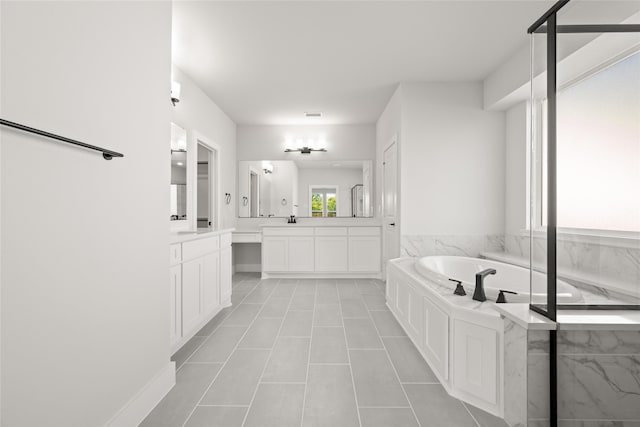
(478,293)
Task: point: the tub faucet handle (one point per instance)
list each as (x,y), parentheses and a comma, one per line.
(459,288)
(501,298)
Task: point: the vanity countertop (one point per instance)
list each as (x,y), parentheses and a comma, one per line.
(201,233)
(331,223)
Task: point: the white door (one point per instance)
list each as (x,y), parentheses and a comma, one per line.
(191,294)
(225,275)
(275,254)
(391,245)
(210,286)
(301,254)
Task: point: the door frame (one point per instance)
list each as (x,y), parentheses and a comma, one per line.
(215,208)
(393,140)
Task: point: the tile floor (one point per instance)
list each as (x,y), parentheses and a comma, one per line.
(307,353)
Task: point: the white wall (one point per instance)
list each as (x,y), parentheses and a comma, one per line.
(517,135)
(84,241)
(197,112)
(344,179)
(452,161)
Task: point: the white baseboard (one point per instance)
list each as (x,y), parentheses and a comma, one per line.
(248,268)
(136,410)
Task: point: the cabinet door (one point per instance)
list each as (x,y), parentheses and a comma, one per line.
(275,254)
(436,338)
(175,301)
(409,305)
(210,282)
(225,275)
(191,294)
(331,254)
(301,254)
(475,361)
(364,254)
(392,292)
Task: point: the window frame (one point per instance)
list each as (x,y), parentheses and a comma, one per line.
(324,189)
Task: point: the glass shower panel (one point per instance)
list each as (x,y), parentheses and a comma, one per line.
(538,236)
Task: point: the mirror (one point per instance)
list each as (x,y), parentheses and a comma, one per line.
(178,185)
(204,186)
(305,188)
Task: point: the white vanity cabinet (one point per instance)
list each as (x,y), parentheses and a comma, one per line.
(200,284)
(298,251)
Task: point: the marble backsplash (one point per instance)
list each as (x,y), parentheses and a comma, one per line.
(612,267)
(467,245)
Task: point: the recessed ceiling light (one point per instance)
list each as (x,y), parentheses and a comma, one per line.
(313,114)
(179,163)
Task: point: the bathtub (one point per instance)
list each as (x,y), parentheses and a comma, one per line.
(508,277)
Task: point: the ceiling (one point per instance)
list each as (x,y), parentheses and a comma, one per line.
(268,62)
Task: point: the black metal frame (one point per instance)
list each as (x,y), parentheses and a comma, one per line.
(550,310)
(106,154)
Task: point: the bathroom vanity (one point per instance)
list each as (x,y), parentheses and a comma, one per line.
(200,286)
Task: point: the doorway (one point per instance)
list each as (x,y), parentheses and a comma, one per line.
(391,241)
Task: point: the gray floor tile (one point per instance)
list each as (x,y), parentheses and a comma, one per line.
(386,417)
(276,405)
(238,380)
(408,362)
(288,362)
(243,315)
(262,334)
(275,307)
(330,400)
(259,295)
(327,294)
(219,346)
(328,315)
(375,302)
(302,302)
(375,380)
(191,382)
(297,324)
(238,296)
(187,350)
(485,419)
(387,324)
(368,288)
(348,291)
(306,286)
(213,324)
(361,334)
(328,345)
(435,408)
(284,289)
(224,416)
(354,308)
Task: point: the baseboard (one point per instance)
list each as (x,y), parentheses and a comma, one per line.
(137,409)
(248,268)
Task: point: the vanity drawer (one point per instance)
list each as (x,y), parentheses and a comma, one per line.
(283,231)
(175,254)
(196,248)
(247,237)
(225,240)
(364,231)
(331,231)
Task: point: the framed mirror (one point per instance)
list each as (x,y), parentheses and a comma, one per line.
(178,185)
(305,188)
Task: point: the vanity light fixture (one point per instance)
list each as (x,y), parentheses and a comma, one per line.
(305,148)
(175,92)
(267,168)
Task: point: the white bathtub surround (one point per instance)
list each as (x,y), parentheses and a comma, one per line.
(608,263)
(461,339)
(508,278)
(467,245)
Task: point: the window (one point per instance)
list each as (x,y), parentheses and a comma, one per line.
(598,151)
(324,202)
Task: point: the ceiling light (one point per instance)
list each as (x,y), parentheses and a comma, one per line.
(303,148)
(179,163)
